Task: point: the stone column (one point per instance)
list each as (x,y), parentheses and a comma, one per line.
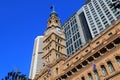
(107,68)
(100,72)
(93,75)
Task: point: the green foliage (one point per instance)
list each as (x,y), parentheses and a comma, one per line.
(15,76)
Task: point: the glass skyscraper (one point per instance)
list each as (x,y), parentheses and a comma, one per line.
(99,15)
(76,32)
(91,19)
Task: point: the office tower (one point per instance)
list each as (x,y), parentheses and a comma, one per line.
(91,19)
(76,32)
(99,15)
(37,61)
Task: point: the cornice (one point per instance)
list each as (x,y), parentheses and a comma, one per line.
(54,34)
(50,52)
(55,42)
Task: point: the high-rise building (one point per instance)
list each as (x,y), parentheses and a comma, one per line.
(76,31)
(85,24)
(37,61)
(99,15)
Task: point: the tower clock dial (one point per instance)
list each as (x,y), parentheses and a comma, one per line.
(59,30)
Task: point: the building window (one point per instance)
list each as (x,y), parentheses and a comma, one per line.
(56,21)
(86,51)
(56,70)
(118,60)
(58,40)
(90,76)
(48,58)
(110,66)
(82,78)
(50,21)
(57,55)
(104,71)
(96,75)
(110,34)
(68,64)
(58,48)
(97,43)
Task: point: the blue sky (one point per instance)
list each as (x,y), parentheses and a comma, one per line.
(20,22)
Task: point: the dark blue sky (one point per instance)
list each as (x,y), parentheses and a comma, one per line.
(20,22)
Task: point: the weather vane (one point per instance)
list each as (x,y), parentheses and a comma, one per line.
(52,8)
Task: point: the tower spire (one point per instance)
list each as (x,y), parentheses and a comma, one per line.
(53,11)
(54,20)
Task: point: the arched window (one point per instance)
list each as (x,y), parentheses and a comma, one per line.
(90,76)
(48,59)
(110,66)
(56,21)
(104,71)
(58,48)
(50,21)
(118,60)
(96,75)
(56,55)
(58,40)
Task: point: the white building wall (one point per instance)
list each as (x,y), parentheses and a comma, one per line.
(37,61)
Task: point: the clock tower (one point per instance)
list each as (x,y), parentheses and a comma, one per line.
(54,40)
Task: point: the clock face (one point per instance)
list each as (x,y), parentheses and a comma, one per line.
(59,30)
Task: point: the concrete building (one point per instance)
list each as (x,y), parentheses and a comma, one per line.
(100,15)
(77,32)
(37,61)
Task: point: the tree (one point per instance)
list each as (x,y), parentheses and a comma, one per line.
(15,76)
